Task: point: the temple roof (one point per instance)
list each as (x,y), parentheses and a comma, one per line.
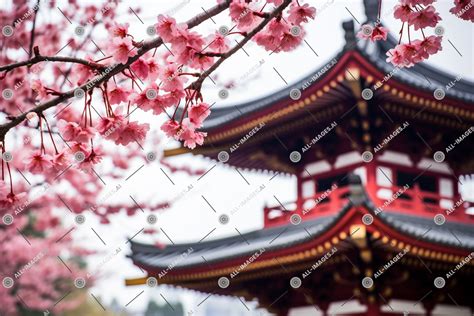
(232,247)
(421,76)
(450,233)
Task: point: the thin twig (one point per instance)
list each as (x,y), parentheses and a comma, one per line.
(32,37)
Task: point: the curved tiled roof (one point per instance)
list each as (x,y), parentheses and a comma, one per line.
(421,76)
(452,234)
(232,247)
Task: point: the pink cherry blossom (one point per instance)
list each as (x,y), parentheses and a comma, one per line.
(3,190)
(122,49)
(60,160)
(301,13)
(290,42)
(83,72)
(119,30)
(171,79)
(132,132)
(410,53)
(180,39)
(172,98)
(159,104)
(153,69)
(275,2)
(38,87)
(427,17)
(72,131)
(166,27)
(118,94)
(111,127)
(396,57)
(241,13)
(268,41)
(120,162)
(402,12)
(202,62)
(278,27)
(12,200)
(142,101)
(431,44)
(171,128)
(38,163)
(140,69)
(190,136)
(218,43)
(197,113)
(463,9)
(92,157)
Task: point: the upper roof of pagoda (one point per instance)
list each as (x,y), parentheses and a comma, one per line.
(331,91)
(422,77)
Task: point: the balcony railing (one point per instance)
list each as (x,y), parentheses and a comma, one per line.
(409,200)
(320,204)
(414,201)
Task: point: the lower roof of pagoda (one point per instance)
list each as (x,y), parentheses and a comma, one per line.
(451,237)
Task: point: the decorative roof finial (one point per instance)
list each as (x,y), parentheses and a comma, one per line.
(371,10)
(349,34)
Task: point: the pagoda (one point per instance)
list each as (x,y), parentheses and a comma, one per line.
(378,153)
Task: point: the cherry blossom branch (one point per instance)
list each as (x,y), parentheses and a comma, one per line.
(113,70)
(196,85)
(40,58)
(211,54)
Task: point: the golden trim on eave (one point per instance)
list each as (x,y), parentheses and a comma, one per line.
(295,257)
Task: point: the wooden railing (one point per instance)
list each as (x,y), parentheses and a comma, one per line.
(322,203)
(410,200)
(417,202)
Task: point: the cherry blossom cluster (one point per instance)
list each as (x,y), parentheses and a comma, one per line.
(418,15)
(191,50)
(463,9)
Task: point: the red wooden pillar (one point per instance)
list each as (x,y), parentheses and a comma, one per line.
(417,198)
(283,312)
(373,309)
(299,192)
(371,181)
(428,306)
(324,307)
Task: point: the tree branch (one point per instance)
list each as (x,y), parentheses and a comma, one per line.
(40,58)
(96,81)
(196,85)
